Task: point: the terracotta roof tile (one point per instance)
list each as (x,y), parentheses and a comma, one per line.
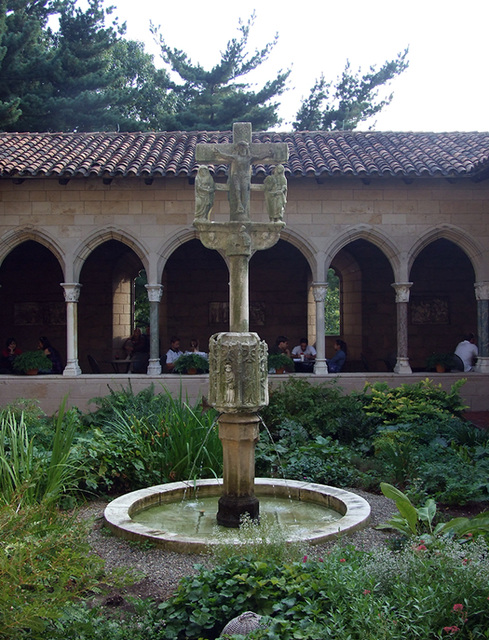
(171,153)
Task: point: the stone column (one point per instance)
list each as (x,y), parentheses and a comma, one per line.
(482,296)
(155,292)
(72,293)
(319,290)
(402,300)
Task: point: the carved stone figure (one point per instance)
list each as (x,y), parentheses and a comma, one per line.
(276,194)
(204,193)
(229,380)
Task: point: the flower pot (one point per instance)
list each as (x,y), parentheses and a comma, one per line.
(32,372)
(192,371)
(440,368)
(282,370)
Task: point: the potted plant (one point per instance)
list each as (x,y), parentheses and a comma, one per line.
(440,361)
(280,363)
(191,363)
(30,362)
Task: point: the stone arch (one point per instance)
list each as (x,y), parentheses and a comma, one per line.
(370,234)
(442,302)
(304,245)
(171,244)
(98,238)
(368,263)
(15,237)
(460,238)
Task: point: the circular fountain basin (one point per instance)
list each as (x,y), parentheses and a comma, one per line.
(325,513)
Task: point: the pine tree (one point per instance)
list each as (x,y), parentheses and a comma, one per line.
(24,56)
(213,100)
(352,99)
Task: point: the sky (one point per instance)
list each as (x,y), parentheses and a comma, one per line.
(444,89)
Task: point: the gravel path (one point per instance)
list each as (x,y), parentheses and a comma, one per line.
(159,571)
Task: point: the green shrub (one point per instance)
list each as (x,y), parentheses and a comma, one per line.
(411,402)
(347,594)
(320,409)
(125,400)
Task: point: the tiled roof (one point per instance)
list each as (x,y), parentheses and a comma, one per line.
(319,153)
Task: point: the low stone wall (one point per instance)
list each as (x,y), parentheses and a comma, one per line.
(80,390)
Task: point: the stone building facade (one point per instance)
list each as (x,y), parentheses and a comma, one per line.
(402,218)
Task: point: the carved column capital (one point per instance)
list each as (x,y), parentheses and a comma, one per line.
(71,291)
(319,291)
(402,291)
(481,290)
(155,291)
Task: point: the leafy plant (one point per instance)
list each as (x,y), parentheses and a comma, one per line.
(190,361)
(31,360)
(412,521)
(279,361)
(443,359)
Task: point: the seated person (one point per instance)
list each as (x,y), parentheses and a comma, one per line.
(304,355)
(467,351)
(9,354)
(137,349)
(52,354)
(194,348)
(281,346)
(173,353)
(335,364)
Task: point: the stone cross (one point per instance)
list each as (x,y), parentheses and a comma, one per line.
(238,359)
(241,154)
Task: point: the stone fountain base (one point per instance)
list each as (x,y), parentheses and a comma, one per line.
(354,511)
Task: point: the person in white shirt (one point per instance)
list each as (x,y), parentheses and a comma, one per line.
(304,349)
(173,353)
(467,351)
(304,355)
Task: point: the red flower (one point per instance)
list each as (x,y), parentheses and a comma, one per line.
(458,607)
(366,591)
(421,547)
(304,559)
(342,560)
(453,629)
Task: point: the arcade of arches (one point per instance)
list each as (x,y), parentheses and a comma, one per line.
(387,325)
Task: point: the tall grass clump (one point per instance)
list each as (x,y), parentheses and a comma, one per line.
(29,475)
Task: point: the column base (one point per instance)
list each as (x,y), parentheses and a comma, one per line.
(154,368)
(72,368)
(320,367)
(482,365)
(402,366)
(232,509)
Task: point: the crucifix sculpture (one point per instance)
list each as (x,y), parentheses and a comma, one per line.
(238,385)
